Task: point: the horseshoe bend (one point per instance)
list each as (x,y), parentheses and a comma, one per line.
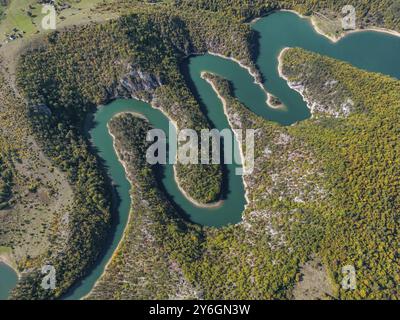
(278,125)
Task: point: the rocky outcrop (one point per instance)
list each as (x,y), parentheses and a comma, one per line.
(285,169)
(332,104)
(323,94)
(138,84)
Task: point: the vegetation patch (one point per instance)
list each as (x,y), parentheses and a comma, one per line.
(326,186)
(82,74)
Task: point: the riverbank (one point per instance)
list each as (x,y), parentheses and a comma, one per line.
(124,233)
(297,88)
(225,108)
(344,34)
(6,258)
(135,114)
(251,72)
(280,63)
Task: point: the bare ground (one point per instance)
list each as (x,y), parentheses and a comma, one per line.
(314,282)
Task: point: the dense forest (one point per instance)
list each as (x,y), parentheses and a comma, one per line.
(6,181)
(326,186)
(157,242)
(360,153)
(80,74)
(382,13)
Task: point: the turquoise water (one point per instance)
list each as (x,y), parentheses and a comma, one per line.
(8,279)
(372,51)
(233,200)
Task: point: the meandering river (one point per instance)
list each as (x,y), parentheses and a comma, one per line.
(372,51)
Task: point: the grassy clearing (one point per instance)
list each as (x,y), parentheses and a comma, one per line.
(5,250)
(26,16)
(40,193)
(16,16)
(27,29)
(332,27)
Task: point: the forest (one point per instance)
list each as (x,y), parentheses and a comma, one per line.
(360,155)
(353,160)
(6,181)
(88,224)
(157,242)
(382,13)
(80,77)
(81,74)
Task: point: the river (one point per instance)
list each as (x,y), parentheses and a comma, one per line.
(369,50)
(8,279)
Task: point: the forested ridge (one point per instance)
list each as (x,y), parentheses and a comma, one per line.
(361,157)
(158,244)
(65,76)
(82,73)
(380,13)
(87,223)
(90,65)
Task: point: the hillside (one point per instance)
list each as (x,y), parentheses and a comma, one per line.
(324,193)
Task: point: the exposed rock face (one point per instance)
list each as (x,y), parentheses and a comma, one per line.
(332,103)
(323,94)
(138,84)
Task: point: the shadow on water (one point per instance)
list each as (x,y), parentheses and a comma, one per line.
(255,51)
(184,69)
(115,199)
